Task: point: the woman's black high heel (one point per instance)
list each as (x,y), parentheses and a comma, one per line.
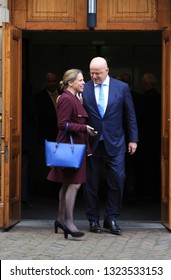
(58,225)
(73,233)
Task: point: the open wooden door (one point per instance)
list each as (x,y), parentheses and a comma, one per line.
(11,125)
(166,129)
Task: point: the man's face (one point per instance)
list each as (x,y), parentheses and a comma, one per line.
(98,73)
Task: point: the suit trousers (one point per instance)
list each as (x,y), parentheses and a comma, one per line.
(114,185)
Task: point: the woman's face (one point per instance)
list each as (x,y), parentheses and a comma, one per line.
(78,84)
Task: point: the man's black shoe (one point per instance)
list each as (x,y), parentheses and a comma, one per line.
(113,227)
(95,227)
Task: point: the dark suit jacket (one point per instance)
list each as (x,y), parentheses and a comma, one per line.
(119,104)
(46,116)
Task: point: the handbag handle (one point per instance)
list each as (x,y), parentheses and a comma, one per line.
(66,128)
(71,139)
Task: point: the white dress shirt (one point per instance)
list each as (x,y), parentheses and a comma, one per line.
(105,90)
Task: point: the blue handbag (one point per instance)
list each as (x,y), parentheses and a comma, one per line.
(65,155)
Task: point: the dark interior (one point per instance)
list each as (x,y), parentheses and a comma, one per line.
(135,53)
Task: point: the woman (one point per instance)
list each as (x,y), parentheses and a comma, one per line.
(70,110)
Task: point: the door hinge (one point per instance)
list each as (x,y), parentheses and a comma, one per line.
(5,152)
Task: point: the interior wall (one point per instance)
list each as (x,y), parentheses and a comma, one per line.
(132,52)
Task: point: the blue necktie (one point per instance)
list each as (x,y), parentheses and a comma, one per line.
(101,101)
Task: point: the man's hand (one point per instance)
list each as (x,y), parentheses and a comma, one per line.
(132,146)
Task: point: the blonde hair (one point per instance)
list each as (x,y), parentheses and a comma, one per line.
(69,76)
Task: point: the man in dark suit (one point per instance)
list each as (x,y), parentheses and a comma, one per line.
(45,109)
(109,145)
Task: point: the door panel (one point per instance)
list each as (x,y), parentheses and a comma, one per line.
(72,14)
(166,129)
(11,125)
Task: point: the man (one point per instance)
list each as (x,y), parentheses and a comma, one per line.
(108,146)
(45,108)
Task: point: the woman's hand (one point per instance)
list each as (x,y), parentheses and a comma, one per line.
(90,130)
(79,97)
